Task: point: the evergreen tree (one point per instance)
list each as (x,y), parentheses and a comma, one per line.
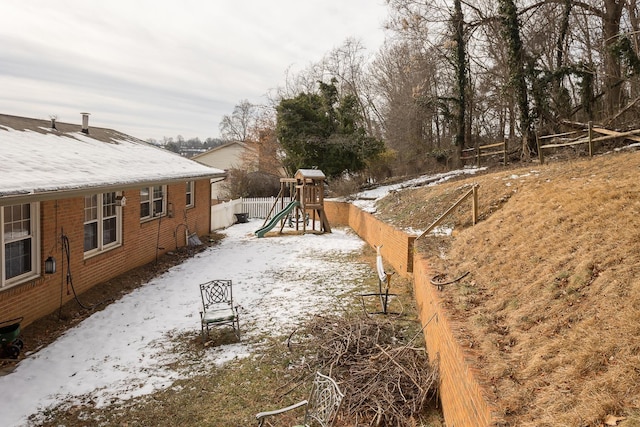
(325,131)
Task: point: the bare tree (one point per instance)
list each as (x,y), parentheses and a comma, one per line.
(236,127)
(406,83)
(461,67)
(349,63)
(508,14)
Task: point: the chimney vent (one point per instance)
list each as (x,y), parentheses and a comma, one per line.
(53,121)
(85,123)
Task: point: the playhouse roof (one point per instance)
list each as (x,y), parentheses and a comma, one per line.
(315,174)
(38,161)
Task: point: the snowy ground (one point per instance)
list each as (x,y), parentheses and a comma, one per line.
(366,200)
(124,350)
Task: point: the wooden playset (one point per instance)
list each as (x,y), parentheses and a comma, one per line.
(306,207)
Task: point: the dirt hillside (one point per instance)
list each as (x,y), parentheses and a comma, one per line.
(551,304)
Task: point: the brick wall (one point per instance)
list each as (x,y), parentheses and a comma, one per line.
(337,213)
(141,243)
(397,246)
(462,392)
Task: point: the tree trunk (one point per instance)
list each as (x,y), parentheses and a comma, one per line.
(612,67)
(511,31)
(460,62)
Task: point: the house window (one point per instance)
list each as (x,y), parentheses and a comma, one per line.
(153,201)
(19,235)
(102,219)
(189,192)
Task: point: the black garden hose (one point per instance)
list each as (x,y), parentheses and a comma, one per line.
(441,284)
(66,248)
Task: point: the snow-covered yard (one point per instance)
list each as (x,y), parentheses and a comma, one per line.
(125,351)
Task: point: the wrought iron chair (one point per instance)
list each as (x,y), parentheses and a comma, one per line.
(217,307)
(321,407)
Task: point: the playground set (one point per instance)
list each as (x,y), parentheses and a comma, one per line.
(306,206)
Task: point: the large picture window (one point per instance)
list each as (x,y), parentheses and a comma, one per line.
(19,235)
(153,201)
(102,222)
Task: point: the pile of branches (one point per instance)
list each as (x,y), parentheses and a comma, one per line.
(385,379)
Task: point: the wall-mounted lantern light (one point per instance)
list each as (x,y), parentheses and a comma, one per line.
(50,265)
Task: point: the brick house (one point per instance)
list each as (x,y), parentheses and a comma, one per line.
(96,201)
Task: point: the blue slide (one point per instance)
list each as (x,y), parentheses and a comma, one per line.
(280,215)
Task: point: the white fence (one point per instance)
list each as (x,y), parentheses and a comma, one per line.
(222,214)
(259,207)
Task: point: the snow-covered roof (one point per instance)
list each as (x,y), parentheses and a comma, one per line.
(37,160)
(310,173)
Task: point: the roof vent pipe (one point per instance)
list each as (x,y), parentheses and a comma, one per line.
(53,121)
(85,123)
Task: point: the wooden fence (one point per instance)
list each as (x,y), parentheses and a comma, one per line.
(582,136)
(485,150)
(474,210)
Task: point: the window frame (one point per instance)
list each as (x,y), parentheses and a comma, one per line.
(151,201)
(34,235)
(100,220)
(190,193)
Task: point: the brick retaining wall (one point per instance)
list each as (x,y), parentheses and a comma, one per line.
(462,393)
(397,246)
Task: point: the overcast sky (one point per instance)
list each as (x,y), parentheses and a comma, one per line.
(155,68)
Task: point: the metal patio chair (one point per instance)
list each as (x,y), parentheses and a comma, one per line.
(320,409)
(217,307)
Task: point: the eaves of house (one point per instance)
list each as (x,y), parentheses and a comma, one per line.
(42,160)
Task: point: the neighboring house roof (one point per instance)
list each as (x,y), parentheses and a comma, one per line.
(39,162)
(223,147)
(225,156)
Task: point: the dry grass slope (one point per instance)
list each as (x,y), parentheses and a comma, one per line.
(551,306)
